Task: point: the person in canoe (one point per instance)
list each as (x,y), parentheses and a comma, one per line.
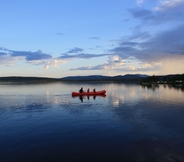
(81,90)
(88,90)
(94,90)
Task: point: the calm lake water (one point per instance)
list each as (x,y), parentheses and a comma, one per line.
(42,122)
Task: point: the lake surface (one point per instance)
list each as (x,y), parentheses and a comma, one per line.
(43,122)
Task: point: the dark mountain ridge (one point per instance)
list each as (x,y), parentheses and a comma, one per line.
(126,77)
(118,78)
(26,79)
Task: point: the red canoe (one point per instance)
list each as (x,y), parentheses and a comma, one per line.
(89,93)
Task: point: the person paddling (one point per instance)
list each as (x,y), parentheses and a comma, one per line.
(81,90)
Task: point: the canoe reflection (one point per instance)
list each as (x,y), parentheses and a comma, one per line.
(89,96)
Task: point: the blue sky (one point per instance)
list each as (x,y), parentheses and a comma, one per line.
(61,38)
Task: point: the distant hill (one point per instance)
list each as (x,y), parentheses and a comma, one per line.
(26,79)
(94,77)
(128,77)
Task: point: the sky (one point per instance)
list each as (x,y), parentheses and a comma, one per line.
(58,38)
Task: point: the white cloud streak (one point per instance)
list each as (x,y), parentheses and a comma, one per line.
(169,4)
(139,2)
(8,60)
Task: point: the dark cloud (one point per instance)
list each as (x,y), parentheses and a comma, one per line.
(81,55)
(138,35)
(29,56)
(129,44)
(77,53)
(155,47)
(167,12)
(141,13)
(144,44)
(126,50)
(3,53)
(158,35)
(75,50)
(169,42)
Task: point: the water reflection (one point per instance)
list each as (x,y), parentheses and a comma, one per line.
(130,123)
(117,95)
(81,98)
(132,95)
(150,86)
(156,86)
(88,97)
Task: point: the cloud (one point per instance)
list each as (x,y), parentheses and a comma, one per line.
(7,60)
(10,57)
(116,64)
(48,63)
(127,51)
(152,51)
(158,35)
(54,62)
(139,2)
(169,42)
(3,53)
(113,62)
(169,5)
(167,12)
(166,42)
(29,56)
(75,50)
(81,56)
(142,51)
(149,47)
(156,43)
(142,14)
(161,44)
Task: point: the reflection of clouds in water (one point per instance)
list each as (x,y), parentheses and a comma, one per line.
(122,94)
(118,101)
(128,95)
(46,93)
(148,112)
